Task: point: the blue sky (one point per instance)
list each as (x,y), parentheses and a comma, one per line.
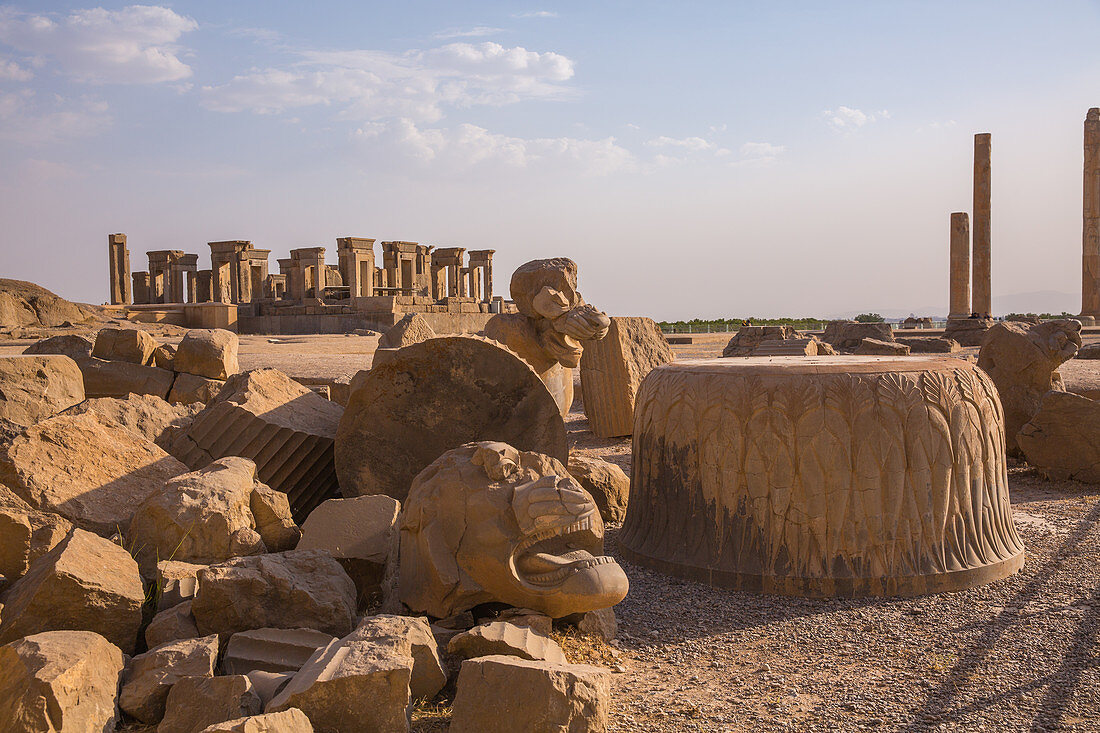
(696,159)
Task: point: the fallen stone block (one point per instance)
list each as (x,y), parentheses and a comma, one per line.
(93,475)
(71,345)
(274,520)
(267,417)
(195,703)
(123,378)
(26,534)
(210,353)
(59,681)
(748,338)
(150,676)
(435,396)
(124,344)
(272,650)
(177,582)
(526,617)
(600,623)
(502,637)
(413,328)
(171,624)
(269,684)
(875,347)
(613,368)
(1062,439)
(850,334)
(361,533)
(188,389)
(33,388)
(607,483)
(287,590)
(351,687)
(412,636)
(287,721)
(202,517)
(789,347)
(163,356)
(85,583)
(1088,351)
(144,415)
(502,694)
(931,345)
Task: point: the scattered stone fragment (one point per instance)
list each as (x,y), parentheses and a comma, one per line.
(85,583)
(446,629)
(197,702)
(210,353)
(26,534)
(412,636)
(123,378)
(1062,439)
(274,521)
(849,334)
(285,428)
(269,684)
(411,329)
(149,676)
(147,416)
(612,369)
(361,533)
(272,650)
(968,331)
(71,345)
(124,344)
(502,637)
(176,582)
(59,681)
(163,356)
(503,694)
(202,517)
(189,389)
(292,720)
(435,396)
(526,617)
(171,624)
(606,482)
(351,686)
(1021,360)
(931,345)
(1088,351)
(870,346)
(600,623)
(789,347)
(748,338)
(288,590)
(33,388)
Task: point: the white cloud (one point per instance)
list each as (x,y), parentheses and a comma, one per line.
(134,45)
(476,32)
(756,154)
(418,84)
(536,14)
(694,144)
(11,71)
(28,119)
(847,119)
(465,146)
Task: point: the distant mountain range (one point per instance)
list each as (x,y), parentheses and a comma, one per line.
(1039,301)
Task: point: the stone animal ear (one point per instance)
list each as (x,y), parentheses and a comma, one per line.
(499,460)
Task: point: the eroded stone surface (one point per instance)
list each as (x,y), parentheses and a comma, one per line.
(748,338)
(486,522)
(210,353)
(150,676)
(147,416)
(176,582)
(408,635)
(26,535)
(502,637)
(33,388)
(272,650)
(175,622)
(870,346)
(287,721)
(608,485)
(124,344)
(190,389)
(1062,439)
(197,702)
(849,334)
(411,329)
(122,378)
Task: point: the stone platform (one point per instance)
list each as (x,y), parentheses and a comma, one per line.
(822,476)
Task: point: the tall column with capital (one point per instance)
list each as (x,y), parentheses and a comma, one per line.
(982,297)
(1090,224)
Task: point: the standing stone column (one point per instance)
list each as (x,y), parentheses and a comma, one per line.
(982,303)
(118,258)
(960,265)
(1090,225)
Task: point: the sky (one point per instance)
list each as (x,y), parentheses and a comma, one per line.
(697,159)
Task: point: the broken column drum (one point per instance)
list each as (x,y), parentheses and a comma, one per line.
(837,476)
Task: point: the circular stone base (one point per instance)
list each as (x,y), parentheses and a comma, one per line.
(822,476)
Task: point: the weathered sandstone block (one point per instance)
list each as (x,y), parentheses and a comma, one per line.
(292,720)
(147,416)
(71,345)
(85,583)
(834,476)
(613,368)
(210,353)
(931,345)
(150,676)
(189,389)
(274,520)
(501,637)
(26,534)
(1062,439)
(197,702)
(411,636)
(502,694)
(1021,360)
(176,582)
(164,355)
(532,537)
(272,650)
(124,344)
(967,331)
(849,334)
(600,623)
(874,347)
(1089,351)
(59,681)
(34,387)
(286,590)
(790,347)
(435,396)
(411,329)
(123,378)
(749,338)
(171,624)
(608,485)
(361,533)
(285,428)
